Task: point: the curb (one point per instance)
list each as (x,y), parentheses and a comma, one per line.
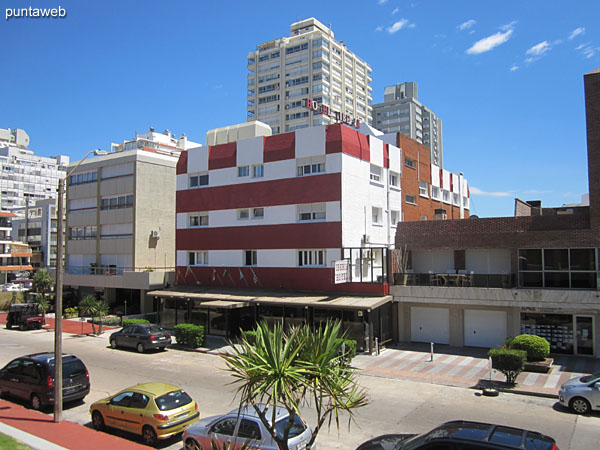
(32,441)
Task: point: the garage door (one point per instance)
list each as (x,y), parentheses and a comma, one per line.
(430,325)
(484,328)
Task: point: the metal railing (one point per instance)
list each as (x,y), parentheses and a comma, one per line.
(483,280)
(108,270)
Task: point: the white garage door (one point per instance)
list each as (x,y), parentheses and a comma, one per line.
(430,325)
(484,328)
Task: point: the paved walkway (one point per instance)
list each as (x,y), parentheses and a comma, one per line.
(71,326)
(469,367)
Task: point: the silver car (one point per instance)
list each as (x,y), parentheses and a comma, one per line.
(581,394)
(239,427)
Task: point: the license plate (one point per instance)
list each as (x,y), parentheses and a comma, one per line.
(181,416)
(162,338)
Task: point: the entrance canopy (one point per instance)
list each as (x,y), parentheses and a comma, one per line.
(236,298)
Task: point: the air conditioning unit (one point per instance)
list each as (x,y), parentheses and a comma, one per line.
(155,234)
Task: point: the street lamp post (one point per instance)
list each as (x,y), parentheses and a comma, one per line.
(58,381)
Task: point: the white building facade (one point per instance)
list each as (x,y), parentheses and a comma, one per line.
(308,63)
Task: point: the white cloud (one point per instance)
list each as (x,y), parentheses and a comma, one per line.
(509,26)
(476,191)
(514,68)
(489,43)
(382,2)
(412,25)
(395,11)
(379,28)
(466,25)
(576,32)
(587,50)
(397,26)
(539,49)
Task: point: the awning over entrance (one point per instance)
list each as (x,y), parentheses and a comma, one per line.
(231,298)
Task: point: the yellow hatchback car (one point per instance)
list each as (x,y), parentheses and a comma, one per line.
(153,410)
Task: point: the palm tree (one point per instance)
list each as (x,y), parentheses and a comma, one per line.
(101,310)
(42,282)
(42,304)
(287,369)
(89,307)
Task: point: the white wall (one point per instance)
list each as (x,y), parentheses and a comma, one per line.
(493,261)
(437,261)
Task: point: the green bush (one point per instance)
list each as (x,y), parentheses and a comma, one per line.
(109,321)
(508,361)
(537,347)
(350,348)
(250,336)
(128,322)
(508,342)
(189,335)
(71,312)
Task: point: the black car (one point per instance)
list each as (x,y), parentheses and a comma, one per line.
(464,435)
(141,337)
(25,316)
(31,378)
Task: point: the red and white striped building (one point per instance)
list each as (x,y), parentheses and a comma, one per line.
(275,212)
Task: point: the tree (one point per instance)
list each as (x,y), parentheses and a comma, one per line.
(91,306)
(42,282)
(42,304)
(302,366)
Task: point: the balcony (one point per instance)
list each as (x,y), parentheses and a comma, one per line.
(112,276)
(481,280)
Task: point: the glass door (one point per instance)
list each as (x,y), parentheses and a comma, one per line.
(584,326)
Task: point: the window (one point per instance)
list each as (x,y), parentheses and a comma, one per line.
(198,180)
(198,258)
(258,171)
(410,163)
(225,426)
(81,233)
(311,167)
(375,173)
(198,220)
(376,216)
(249,430)
(258,213)
(243,214)
(558,268)
(80,178)
(311,211)
(394,179)
(423,189)
(435,192)
(445,196)
(250,257)
(394,218)
(311,258)
(123,201)
(243,171)
(411,199)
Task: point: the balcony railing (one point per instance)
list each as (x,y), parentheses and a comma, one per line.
(108,270)
(482,280)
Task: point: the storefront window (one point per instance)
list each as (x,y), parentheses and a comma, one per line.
(556,328)
(218,321)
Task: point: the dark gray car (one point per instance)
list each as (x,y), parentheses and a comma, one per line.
(31,378)
(141,337)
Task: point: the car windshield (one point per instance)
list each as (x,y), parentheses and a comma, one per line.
(172,400)
(590,378)
(154,329)
(296,429)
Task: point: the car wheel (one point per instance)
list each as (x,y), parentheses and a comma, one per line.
(579,405)
(23,327)
(98,421)
(191,444)
(163,349)
(9,325)
(140,348)
(113,343)
(149,436)
(36,403)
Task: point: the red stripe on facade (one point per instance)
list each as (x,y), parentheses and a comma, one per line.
(342,139)
(182,163)
(441,178)
(279,147)
(297,278)
(289,191)
(386,156)
(222,156)
(260,237)
(365,148)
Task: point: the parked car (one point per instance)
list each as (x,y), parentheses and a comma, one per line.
(31,378)
(152,410)
(11,287)
(24,315)
(464,435)
(239,427)
(581,394)
(141,337)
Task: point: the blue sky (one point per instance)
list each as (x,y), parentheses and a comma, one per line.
(505,77)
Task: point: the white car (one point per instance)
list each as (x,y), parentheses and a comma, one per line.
(14,288)
(581,394)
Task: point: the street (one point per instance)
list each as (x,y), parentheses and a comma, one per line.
(395,405)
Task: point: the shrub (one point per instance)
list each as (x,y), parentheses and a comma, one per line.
(189,335)
(350,348)
(71,312)
(537,347)
(508,361)
(508,342)
(109,321)
(250,336)
(128,322)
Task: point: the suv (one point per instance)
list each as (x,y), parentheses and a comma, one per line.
(24,315)
(142,337)
(31,378)
(464,435)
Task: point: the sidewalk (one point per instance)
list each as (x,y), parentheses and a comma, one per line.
(469,367)
(71,326)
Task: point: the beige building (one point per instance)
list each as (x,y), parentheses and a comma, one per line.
(309,63)
(121,223)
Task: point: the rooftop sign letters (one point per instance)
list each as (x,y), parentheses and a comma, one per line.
(338,116)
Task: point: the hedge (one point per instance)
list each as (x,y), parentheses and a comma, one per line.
(508,361)
(189,335)
(109,321)
(129,322)
(537,347)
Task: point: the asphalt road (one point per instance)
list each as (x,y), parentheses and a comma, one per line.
(395,405)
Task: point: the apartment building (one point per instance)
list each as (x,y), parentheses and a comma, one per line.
(14,256)
(36,226)
(476,282)
(402,112)
(309,63)
(264,219)
(120,221)
(25,177)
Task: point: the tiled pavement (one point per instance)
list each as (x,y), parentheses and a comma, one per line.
(468,367)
